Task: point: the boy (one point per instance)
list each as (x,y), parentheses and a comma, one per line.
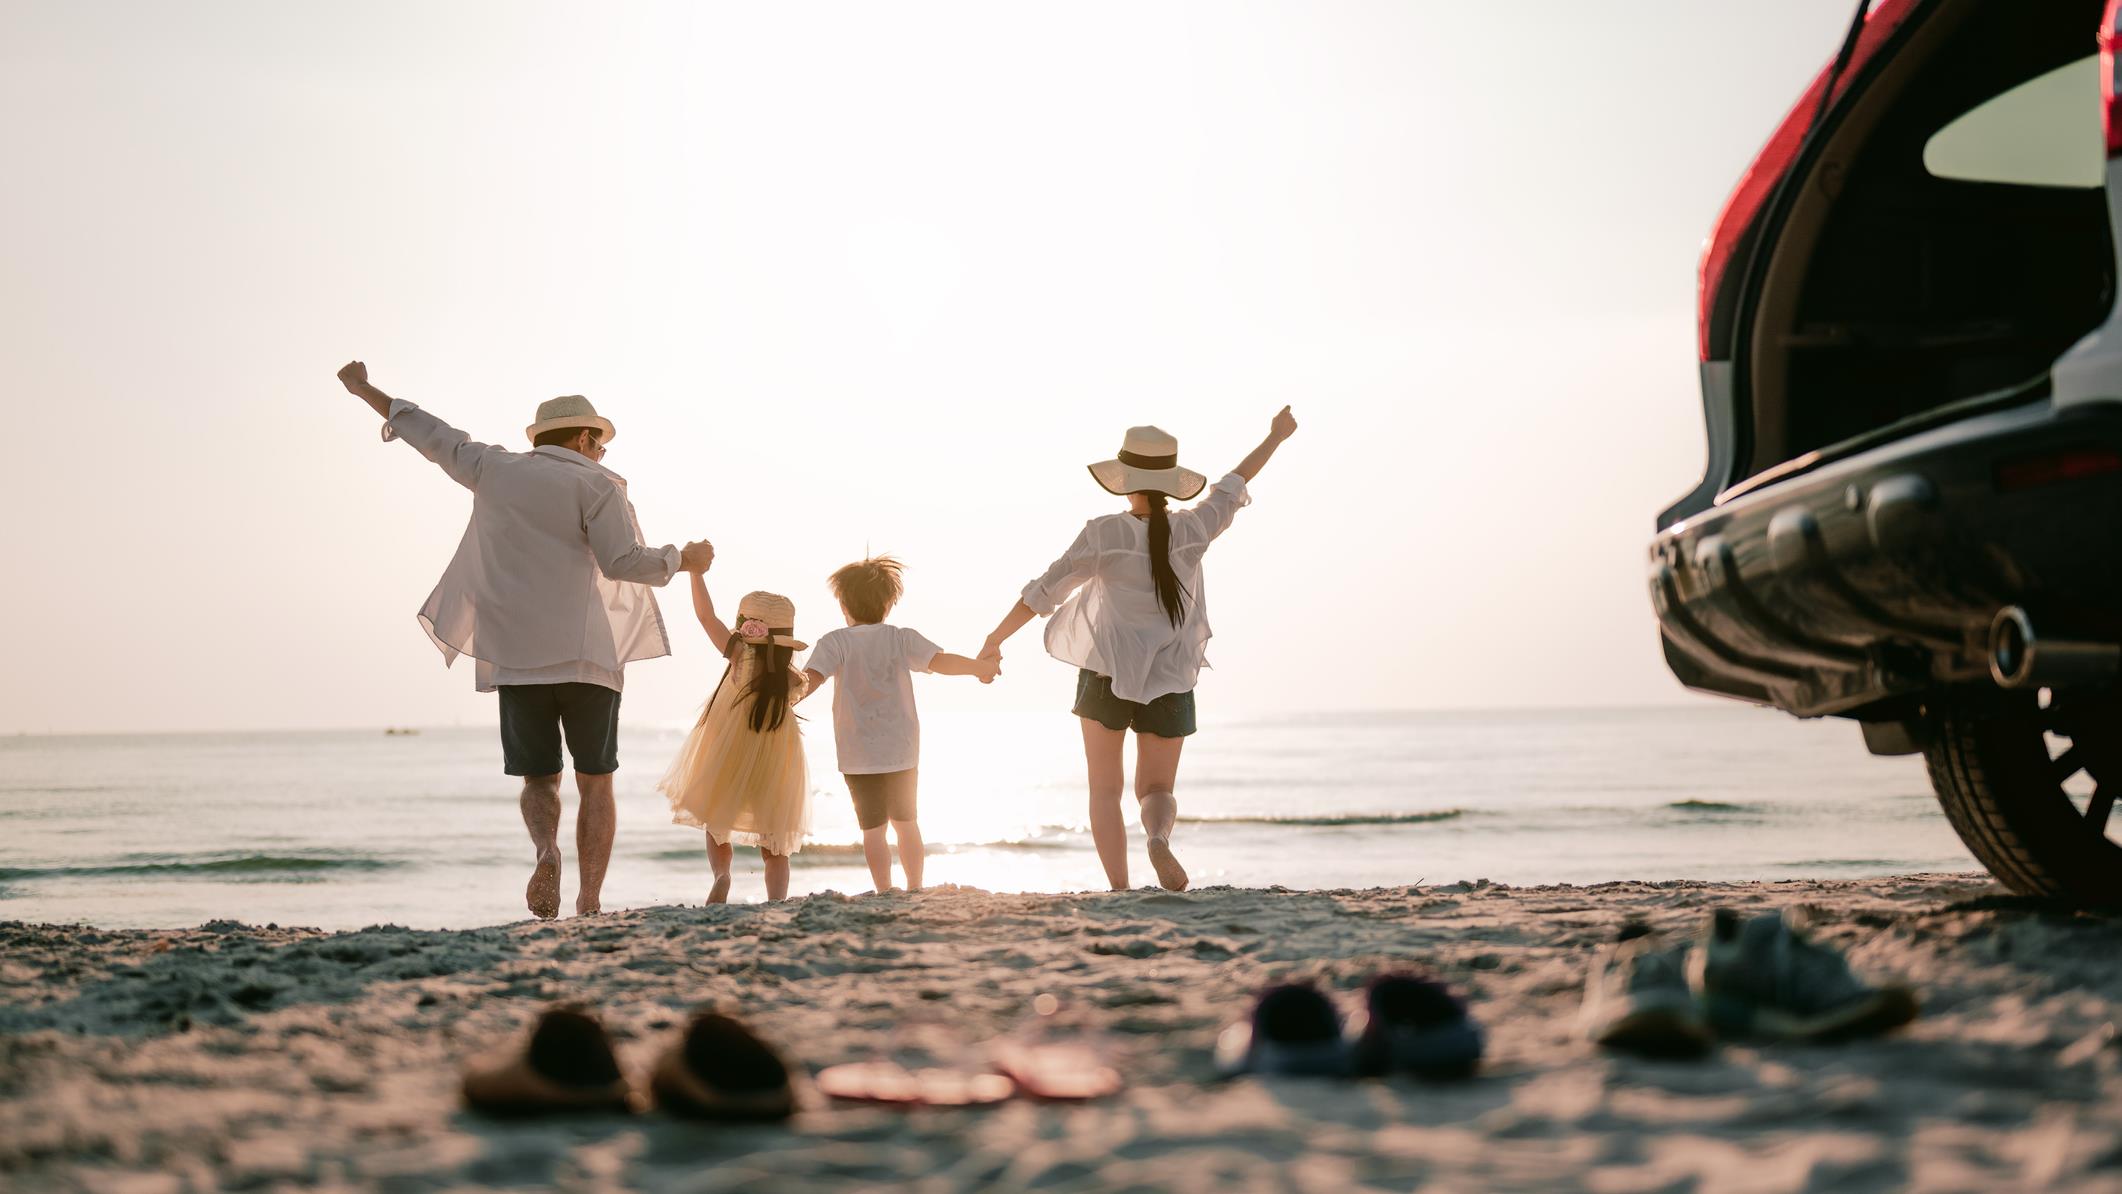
(876,730)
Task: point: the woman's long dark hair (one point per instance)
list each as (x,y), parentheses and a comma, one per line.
(1170,593)
(772,673)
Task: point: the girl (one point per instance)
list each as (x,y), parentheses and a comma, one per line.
(1136,628)
(740,775)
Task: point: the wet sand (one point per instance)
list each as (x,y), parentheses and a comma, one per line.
(259,1058)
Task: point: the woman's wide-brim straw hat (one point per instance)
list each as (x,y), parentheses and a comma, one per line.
(1148,463)
(574,410)
(779,614)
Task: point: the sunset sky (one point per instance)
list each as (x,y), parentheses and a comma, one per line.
(861,276)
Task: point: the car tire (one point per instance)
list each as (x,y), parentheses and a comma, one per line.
(2002,786)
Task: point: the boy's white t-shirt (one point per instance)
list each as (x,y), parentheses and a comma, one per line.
(875,727)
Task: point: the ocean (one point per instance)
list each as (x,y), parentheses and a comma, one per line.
(347,829)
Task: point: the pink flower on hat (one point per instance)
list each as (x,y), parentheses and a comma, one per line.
(752,628)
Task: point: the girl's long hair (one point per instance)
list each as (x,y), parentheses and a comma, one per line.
(1170,593)
(772,672)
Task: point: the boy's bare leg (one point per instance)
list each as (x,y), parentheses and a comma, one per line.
(1102,754)
(541,816)
(719,855)
(776,874)
(1156,777)
(595,820)
(911,851)
(877,852)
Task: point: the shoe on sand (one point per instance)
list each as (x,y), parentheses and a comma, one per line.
(1762,978)
(1294,1029)
(542,893)
(566,1065)
(890,1082)
(719,1069)
(1057,1071)
(1415,1025)
(1170,875)
(1637,999)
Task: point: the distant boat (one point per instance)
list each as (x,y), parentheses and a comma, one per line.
(399,731)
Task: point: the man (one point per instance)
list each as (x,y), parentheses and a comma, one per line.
(549,595)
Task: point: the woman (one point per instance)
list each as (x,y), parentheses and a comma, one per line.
(1135,624)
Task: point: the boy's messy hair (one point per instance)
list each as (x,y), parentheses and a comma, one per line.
(868,589)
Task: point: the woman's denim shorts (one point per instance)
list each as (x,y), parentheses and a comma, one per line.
(1169,716)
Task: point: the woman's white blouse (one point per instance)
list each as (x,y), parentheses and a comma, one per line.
(1113,623)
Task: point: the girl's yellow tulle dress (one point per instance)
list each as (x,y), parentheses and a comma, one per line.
(741,785)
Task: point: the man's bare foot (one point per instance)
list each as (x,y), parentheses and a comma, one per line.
(587,907)
(719,893)
(1169,872)
(543,892)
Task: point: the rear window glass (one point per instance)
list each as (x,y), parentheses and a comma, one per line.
(2043,133)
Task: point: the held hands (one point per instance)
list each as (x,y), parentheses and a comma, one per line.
(987,667)
(697,556)
(1285,425)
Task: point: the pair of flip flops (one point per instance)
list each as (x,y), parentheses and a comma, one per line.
(1409,1024)
(1049,1071)
(717,1069)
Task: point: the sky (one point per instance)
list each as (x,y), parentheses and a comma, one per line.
(861,277)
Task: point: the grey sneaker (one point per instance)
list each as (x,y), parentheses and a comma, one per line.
(1761,978)
(1637,999)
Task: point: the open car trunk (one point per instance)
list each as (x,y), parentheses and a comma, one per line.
(1947,242)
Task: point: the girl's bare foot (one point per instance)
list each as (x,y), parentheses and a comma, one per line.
(543,891)
(719,893)
(1169,872)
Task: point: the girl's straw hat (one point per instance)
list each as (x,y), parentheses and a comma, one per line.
(572,411)
(1148,463)
(772,619)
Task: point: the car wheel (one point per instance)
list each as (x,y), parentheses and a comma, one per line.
(2029,782)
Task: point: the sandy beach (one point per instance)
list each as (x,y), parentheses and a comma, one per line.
(241,1057)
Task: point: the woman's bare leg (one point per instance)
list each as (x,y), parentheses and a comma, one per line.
(1102,754)
(877,852)
(911,852)
(1156,784)
(718,857)
(776,874)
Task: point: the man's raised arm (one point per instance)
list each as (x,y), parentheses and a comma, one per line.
(457,453)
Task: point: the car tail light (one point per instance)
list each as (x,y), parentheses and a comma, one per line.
(1777,157)
(2110,113)
(2051,468)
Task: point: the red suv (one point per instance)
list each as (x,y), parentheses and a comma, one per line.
(1912,380)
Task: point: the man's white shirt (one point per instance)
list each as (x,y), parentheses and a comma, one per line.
(550,583)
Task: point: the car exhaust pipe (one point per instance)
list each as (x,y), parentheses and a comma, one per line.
(2020,658)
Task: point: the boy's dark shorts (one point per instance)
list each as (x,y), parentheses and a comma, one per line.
(533,716)
(888,795)
(1169,716)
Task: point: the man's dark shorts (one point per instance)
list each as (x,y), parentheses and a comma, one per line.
(533,716)
(1169,716)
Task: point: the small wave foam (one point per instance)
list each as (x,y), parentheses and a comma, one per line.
(1425,818)
(838,853)
(254,868)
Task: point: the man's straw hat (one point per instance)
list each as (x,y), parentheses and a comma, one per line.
(1148,463)
(776,612)
(571,411)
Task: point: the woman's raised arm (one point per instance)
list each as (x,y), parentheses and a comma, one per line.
(1285,426)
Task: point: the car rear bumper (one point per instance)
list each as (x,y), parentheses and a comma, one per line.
(1876,577)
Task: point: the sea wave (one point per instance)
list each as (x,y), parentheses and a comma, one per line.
(257,868)
(837,853)
(1709,806)
(1423,818)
